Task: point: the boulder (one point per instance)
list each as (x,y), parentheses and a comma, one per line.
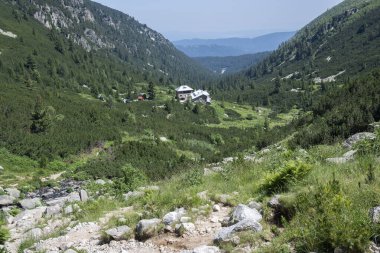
(216,208)
(68,209)
(255,205)
(350,142)
(226,234)
(73,197)
(34,233)
(58,201)
(349,156)
(146,229)
(185,228)
(375,214)
(6,200)
(13,192)
(52,210)
(30,203)
(135,194)
(173,217)
(83,195)
(243,212)
(119,233)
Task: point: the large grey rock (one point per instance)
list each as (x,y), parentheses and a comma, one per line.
(349,156)
(228,233)
(53,210)
(83,195)
(146,229)
(30,203)
(375,214)
(68,209)
(350,142)
(73,197)
(185,228)
(243,212)
(173,217)
(13,192)
(34,233)
(6,200)
(58,201)
(119,233)
(255,205)
(135,194)
(204,249)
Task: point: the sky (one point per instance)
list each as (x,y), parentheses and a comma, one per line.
(210,19)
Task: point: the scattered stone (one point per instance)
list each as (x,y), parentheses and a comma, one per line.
(173,217)
(228,160)
(13,192)
(119,233)
(100,182)
(255,205)
(83,196)
(226,234)
(375,214)
(30,203)
(58,201)
(135,194)
(185,228)
(152,188)
(349,156)
(53,210)
(73,197)
(373,248)
(34,233)
(216,208)
(146,229)
(68,209)
(6,200)
(350,142)
(243,212)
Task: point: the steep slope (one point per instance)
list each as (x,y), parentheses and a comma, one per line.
(231,64)
(339,44)
(232,46)
(75,43)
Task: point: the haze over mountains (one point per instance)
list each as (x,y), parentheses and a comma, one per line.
(232,46)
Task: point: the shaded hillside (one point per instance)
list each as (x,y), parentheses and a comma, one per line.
(84,45)
(232,46)
(231,64)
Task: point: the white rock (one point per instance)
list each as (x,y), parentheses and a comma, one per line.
(100,182)
(173,217)
(34,233)
(53,210)
(119,233)
(243,212)
(6,200)
(146,229)
(245,225)
(216,208)
(13,192)
(255,205)
(350,142)
(185,228)
(30,203)
(204,249)
(375,214)
(73,197)
(83,196)
(185,219)
(135,194)
(69,209)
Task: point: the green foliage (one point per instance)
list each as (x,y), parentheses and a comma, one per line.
(193,177)
(288,173)
(336,222)
(4,233)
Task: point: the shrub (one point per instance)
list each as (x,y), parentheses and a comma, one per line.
(279,181)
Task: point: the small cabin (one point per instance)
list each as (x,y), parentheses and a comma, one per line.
(183,93)
(201,96)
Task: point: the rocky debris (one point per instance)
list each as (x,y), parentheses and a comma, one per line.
(229,160)
(134,194)
(13,192)
(95,39)
(204,249)
(34,233)
(375,214)
(6,200)
(255,205)
(55,193)
(185,228)
(30,203)
(146,229)
(185,219)
(373,248)
(212,171)
(8,34)
(350,142)
(73,197)
(173,217)
(83,196)
(216,208)
(226,234)
(349,156)
(250,158)
(52,210)
(243,212)
(119,233)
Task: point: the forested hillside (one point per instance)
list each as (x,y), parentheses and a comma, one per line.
(82,45)
(338,45)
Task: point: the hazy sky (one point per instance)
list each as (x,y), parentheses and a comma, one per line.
(179,19)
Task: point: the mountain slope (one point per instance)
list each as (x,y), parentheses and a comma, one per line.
(231,64)
(232,46)
(75,43)
(341,43)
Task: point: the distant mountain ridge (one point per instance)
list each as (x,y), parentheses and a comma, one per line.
(232,46)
